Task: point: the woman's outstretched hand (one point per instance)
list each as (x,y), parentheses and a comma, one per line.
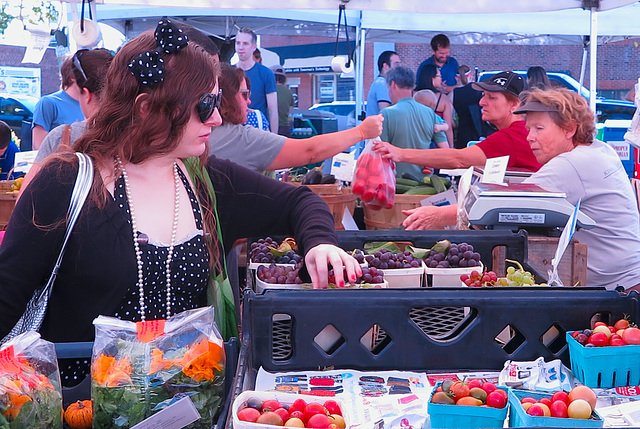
(318,260)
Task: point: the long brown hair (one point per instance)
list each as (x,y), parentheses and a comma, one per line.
(121,130)
(230,79)
(94,63)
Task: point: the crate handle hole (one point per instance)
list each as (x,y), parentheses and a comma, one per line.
(510,339)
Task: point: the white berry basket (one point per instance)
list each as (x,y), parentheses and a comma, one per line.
(449,277)
(404,277)
(261,286)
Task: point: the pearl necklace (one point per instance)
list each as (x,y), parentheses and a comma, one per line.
(136,239)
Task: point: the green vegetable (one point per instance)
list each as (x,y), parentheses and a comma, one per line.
(410,176)
(421,190)
(438,184)
(374,246)
(407,182)
(401,189)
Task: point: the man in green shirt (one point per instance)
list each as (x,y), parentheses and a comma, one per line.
(285,101)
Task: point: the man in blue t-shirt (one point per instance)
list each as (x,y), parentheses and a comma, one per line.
(378,97)
(264,96)
(59,108)
(441,58)
(8,151)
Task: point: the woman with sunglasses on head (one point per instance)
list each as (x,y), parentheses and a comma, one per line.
(259,150)
(89,69)
(150,237)
(431,78)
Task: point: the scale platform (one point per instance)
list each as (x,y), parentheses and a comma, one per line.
(519,205)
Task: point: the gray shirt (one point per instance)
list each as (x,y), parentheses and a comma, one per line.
(245,145)
(52,140)
(594,174)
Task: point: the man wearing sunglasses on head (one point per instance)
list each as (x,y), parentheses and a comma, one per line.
(61,107)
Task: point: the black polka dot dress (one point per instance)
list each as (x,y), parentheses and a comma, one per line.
(189,278)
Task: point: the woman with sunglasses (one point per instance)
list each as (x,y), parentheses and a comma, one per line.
(255,117)
(431,78)
(89,69)
(150,236)
(260,150)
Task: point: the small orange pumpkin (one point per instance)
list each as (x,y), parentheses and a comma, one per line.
(79,415)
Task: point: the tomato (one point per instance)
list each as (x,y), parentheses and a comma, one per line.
(270,418)
(361,173)
(504,393)
(368,194)
(478,393)
(612,329)
(546,401)
(617,342)
(560,396)
(282,413)
(469,400)
(294,422)
(579,409)
(559,409)
(298,405)
(631,336)
(595,325)
(375,166)
(528,399)
(381,196)
(271,405)
(604,329)
(496,400)
(459,390)
(442,398)
(320,421)
(363,160)
(527,405)
(312,409)
(545,409)
(332,407)
(474,383)
(338,420)
(575,334)
(439,389)
(599,339)
(297,414)
(248,414)
(358,187)
(621,324)
(536,410)
(488,387)
(583,392)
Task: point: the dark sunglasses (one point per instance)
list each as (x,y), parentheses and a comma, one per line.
(207,104)
(246,93)
(78,64)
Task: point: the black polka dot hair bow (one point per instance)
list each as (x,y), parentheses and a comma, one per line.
(148,67)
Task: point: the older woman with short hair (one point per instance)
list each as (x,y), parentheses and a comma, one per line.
(561,135)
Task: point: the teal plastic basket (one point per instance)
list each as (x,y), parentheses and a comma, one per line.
(466,416)
(518,417)
(604,366)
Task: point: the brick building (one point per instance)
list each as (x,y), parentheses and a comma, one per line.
(49,66)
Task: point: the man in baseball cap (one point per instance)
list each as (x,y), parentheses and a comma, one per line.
(498,103)
(285,100)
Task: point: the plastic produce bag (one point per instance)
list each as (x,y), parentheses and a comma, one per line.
(139,369)
(374,179)
(536,375)
(30,392)
(633,133)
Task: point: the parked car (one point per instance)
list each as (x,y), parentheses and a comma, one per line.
(345,112)
(605,108)
(14,109)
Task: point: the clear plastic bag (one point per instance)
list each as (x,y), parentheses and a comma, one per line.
(138,369)
(374,179)
(30,392)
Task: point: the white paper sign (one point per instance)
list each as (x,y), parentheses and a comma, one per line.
(176,416)
(343,165)
(446,198)
(494,170)
(24,161)
(37,44)
(563,242)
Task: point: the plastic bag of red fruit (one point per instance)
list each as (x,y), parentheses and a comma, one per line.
(374,179)
(256,409)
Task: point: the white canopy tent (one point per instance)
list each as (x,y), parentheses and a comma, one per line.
(380,20)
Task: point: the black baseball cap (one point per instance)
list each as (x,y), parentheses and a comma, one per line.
(535,106)
(506,81)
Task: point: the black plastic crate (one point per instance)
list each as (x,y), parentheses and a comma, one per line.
(83,390)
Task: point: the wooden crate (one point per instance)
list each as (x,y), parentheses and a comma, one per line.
(541,250)
(7,202)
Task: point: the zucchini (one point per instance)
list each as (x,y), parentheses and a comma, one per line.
(438,184)
(410,176)
(421,190)
(406,182)
(401,189)
(426,180)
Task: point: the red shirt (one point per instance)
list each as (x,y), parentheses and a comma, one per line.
(511,141)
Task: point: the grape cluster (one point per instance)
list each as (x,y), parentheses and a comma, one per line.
(277,274)
(359,255)
(476,279)
(518,277)
(260,253)
(369,275)
(459,256)
(386,260)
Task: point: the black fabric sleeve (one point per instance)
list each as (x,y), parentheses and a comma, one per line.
(252,205)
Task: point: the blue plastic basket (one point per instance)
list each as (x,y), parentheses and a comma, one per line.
(518,417)
(604,366)
(465,416)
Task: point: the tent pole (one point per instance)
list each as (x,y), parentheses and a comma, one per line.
(360,71)
(593,64)
(583,66)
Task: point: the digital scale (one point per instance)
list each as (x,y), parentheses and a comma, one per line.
(519,205)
